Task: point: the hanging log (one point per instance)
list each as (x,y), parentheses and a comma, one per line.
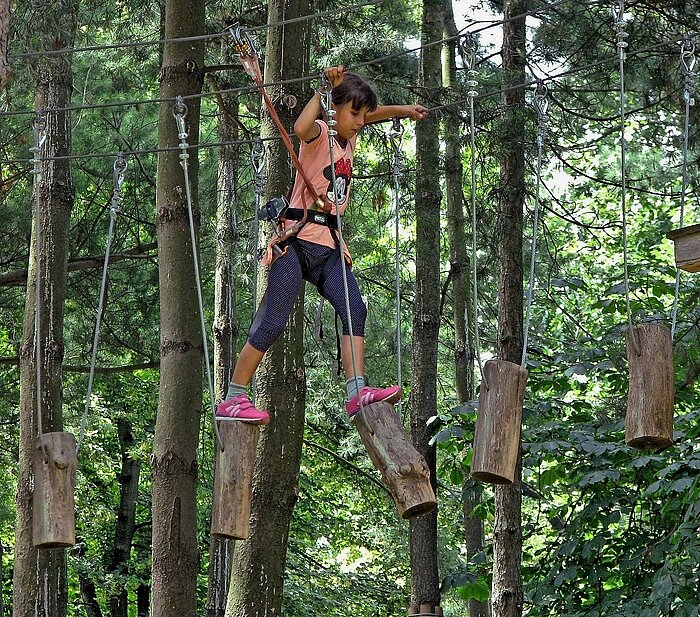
(403,469)
(233,479)
(498,422)
(686,247)
(55,463)
(425,610)
(649,418)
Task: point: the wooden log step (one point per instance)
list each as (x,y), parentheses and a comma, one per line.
(53,516)
(425,610)
(498,422)
(649,418)
(403,469)
(233,479)
(686,247)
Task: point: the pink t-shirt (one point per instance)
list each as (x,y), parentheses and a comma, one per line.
(315,159)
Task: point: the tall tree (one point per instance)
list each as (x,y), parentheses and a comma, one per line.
(507,590)
(5,69)
(174,460)
(426,309)
(459,272)
(40,584)
(259,565)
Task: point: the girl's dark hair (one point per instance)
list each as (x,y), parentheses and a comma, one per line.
(356,90)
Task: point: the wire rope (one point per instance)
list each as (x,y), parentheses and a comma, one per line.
(179,113)
(395,138)
(39,140)
(472,83)
(541,105)
(326,94)
(257,160)
(619,18)
(687,66)
(120,166)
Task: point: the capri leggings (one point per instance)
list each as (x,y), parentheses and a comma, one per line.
(283,288)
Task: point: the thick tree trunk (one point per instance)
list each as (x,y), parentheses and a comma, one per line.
(507,591)
(225,318)
(174,460)
(88,594)
(39,577)
(426,320)
(259,562)
(461,305)
(126,521)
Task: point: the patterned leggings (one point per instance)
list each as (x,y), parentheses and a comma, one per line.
(283,288)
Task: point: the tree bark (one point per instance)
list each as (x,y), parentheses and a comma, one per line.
(5,68)
(259,562)
(507,590)
(423,530)
(126,521)
(174,460)
(88,593)
(39,577)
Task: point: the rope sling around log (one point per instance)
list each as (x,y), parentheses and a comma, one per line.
(54,456)
(499,413)
(650,398)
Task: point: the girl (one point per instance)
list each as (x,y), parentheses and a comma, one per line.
(311,254)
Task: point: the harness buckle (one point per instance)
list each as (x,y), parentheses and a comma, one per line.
(273,209)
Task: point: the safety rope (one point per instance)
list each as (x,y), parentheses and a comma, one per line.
(687,66)
(469,55)
(118,173)
(257,160)
(619,17)
(39,140)
(541,105)
(395,138)
(179,113)
(325,90)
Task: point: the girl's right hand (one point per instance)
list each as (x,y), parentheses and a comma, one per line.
(335,75)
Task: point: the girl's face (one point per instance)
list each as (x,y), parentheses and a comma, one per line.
(349,120)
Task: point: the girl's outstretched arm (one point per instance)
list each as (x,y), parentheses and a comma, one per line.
(384,112)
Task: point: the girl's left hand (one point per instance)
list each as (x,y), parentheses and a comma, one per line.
(416,112)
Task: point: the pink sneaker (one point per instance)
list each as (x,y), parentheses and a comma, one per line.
(240,408)
(369,395)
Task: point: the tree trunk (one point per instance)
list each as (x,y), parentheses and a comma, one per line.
(507,590)
(5,68)
(39,577)
(225,318)
(126,521)
(461,305)
(88,594)
(174,460)
(259,562)
(423,530)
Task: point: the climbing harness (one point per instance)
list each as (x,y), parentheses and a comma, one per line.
(622,44)
(179,113)
(395,139)
(541,105)
(120,166)
(687,66)
(248,56)
(39,140)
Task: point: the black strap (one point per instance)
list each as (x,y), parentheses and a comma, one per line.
(312,216)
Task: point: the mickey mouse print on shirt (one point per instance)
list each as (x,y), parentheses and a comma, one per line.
(343,173)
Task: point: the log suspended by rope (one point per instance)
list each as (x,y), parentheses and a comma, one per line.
(686,247)
(55,463)
(498,422)
(649,418)
(233,480)
(403,469)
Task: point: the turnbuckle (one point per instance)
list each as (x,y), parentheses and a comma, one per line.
(325,90)
(120,165)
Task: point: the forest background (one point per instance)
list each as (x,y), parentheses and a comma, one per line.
(606,530)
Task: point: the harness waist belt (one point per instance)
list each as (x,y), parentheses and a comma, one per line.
(319,218)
